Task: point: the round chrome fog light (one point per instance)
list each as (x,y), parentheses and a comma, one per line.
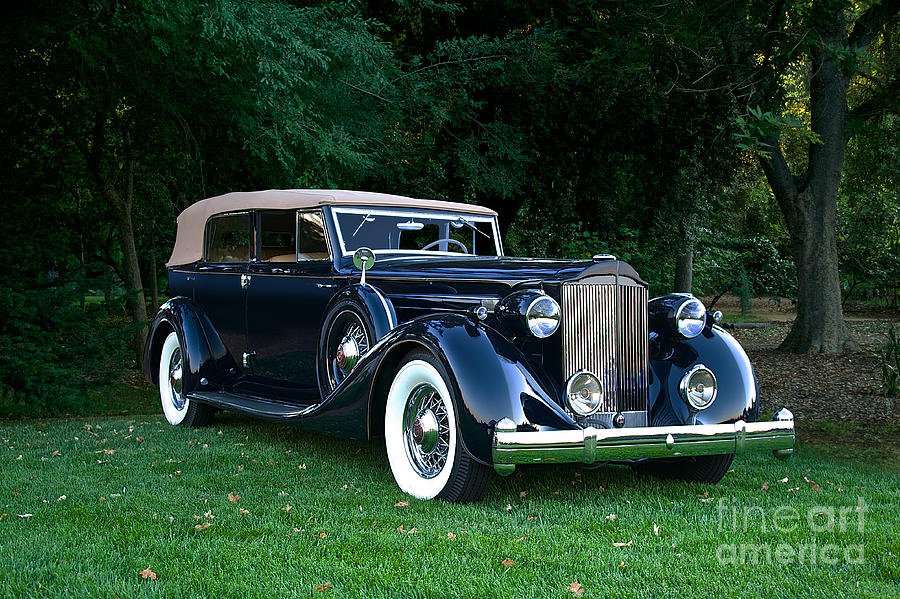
(698,387)
(584,393)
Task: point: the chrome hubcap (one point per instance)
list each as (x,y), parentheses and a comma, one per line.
(346,353)
(176,379)
(426,430)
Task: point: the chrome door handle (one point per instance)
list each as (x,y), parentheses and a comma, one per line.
(325,286)
(245,281)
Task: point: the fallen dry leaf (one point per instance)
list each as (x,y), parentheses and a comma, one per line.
(202,526)
(813,484)
(232,497)
(450,535)
(283,493)
(523,493)
(148,573)
(783,480)
(55,454)
(576,589)
(24,515)
(401,504)
(628,544)
(301,467)
(508,562)
(508,507)
(765,486)
(611,517)
(286,508)
(243,512)
(324,587)
(656,529)
(520,539)
(322,535)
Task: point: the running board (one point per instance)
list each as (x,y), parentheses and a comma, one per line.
(254,406)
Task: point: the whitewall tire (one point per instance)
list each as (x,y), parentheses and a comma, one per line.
(422,437)
(176,405)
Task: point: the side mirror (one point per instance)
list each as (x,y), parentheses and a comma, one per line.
(363,259)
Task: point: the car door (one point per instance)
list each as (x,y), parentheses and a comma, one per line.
(220,278)
(291,284)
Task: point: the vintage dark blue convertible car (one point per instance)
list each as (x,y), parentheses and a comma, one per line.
(366,315)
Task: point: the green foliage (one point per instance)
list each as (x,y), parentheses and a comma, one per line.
(53,350)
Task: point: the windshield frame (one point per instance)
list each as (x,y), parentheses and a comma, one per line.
(363,210)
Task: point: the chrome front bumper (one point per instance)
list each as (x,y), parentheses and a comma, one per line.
(608,445)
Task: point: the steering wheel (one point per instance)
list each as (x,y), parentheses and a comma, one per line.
(448,240)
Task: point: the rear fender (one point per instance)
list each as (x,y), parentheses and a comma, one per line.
(205,355)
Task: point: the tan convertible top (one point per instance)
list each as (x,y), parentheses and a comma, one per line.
(192,222)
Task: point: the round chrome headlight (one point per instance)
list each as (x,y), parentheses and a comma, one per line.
(584,393)
(690,318)
(698,387)
(543,316)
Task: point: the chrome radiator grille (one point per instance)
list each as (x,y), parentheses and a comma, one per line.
(605,331)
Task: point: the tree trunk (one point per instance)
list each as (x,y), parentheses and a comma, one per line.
(135,301)
(809,206)
(819,326)
(154,281)
(684,270)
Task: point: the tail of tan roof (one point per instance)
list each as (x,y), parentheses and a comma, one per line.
(192,222)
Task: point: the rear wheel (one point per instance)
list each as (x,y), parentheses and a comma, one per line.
(701,469)
(176,404)
(422,438)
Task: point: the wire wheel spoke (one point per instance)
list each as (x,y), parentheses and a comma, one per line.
(427,431)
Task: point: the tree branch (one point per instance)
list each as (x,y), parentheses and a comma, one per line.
(871,22)
(782,182)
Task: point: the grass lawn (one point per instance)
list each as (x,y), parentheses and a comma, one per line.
(110,497)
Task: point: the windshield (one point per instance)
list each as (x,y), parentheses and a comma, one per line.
(402,231)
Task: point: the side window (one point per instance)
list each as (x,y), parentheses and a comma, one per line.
(313,245)
(228,238)
(277,236)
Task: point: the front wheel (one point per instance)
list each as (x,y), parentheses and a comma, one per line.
(422,438)
(176,404)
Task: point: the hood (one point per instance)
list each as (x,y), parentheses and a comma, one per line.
(505,270)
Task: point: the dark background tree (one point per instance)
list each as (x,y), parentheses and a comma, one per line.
(703,143)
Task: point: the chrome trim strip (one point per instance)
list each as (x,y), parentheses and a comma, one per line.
(387,309)
(591,444)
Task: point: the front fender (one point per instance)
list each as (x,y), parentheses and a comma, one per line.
(720,352)
(205,354)
(490,378)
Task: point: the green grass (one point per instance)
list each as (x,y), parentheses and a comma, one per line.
(135,488)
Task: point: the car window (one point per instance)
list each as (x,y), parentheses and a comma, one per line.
(228,238)
(313,245)
(277,236)
(405,231)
